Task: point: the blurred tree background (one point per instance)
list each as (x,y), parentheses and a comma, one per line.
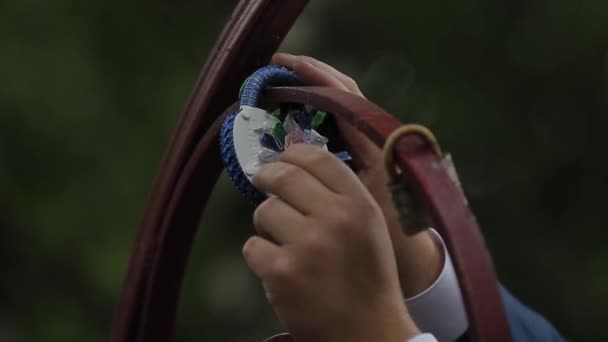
(90,91)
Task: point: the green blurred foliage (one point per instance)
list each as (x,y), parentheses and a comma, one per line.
(90,92)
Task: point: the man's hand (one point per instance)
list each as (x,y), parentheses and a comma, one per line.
(418,259)
(324,253)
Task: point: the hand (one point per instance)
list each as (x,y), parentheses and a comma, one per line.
(324,253)
(419,261)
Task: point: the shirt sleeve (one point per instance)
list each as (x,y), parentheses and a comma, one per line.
(423,338)
(439,310)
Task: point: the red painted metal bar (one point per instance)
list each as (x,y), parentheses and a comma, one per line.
(252,34)
(435,190)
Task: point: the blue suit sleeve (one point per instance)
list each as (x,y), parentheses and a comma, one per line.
(526,324)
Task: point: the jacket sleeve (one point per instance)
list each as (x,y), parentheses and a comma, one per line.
(440,310)
(525,323)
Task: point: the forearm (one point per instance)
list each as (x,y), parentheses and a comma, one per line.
(419,258)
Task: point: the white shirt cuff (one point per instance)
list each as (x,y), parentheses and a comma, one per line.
(423,338)
(440,309)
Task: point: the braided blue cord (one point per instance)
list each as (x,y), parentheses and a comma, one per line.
(271,75)
(231,162)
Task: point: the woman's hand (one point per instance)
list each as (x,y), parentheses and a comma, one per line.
(324,253)
(418,259)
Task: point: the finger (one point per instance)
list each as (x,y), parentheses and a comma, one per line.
(309,74)
(298,62)
(361,146)
(260,255)
(347,81)
(293,185)
(313,72)
(278,220)
(323,166)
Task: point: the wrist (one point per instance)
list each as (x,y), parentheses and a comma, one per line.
(389,321)
(419,258)
(386,330)
(419,262)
